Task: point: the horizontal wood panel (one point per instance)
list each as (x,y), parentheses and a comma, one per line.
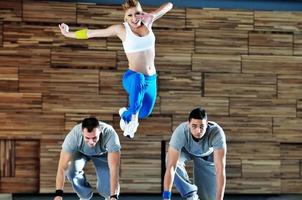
(254,185)
(290,86)
(220,19)
(9,80)
(175,40)
(290,169)
(190,82)
(240,85)
(73,58)
(25,57)
(267,43)
(11,10)
(272,64)
(111,83)
(255,168)
(288,129)
(291,151)
(26,168)
(166,61)
(99,14)
(26,102)
(216,63)
(43,36)
(57,12)
(71,119)
(221,41)
(262,107)
(74,103)
(297,44)
(278,21)
(252,150)
(299,108)
(246,128)
(170,104)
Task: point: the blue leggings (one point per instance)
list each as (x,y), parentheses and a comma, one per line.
(142,94)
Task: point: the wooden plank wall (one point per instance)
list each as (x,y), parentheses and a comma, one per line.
(243,66)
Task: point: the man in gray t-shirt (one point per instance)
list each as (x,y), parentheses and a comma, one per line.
(203,142)
(96,141)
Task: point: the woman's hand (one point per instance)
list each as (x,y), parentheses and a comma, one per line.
(146,18)
(64,29)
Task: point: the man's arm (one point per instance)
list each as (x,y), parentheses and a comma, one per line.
(220,162)
(114,167)
(172,159)
(65,158)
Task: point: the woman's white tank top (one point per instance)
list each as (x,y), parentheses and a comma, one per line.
(134,43)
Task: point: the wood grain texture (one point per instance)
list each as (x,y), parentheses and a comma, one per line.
(75,103)
(290,86)
(57,12)
(240,85)
(262,107)
(11,10)
(216,63)
(13,102)
(272,64)
(74,58)
(93,14)
(243,129)
(170,104)
(298,44)
(177,82)
(278,21)
(28,126)
(220,19)
(175,40)
(25,177)
(230,42)
(267,43)
(46,36)
(287,129)
(24,57)
(9,79)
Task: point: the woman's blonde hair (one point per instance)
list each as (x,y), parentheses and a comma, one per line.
(129,4)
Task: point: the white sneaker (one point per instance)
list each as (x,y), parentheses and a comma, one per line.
(131,128)
(122,122)
(194,197)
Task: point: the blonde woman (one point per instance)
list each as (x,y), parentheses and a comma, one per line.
(138,40)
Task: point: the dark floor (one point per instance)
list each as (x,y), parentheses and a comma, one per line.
(158,197)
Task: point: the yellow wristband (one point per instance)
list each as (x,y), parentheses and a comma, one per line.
(81,34)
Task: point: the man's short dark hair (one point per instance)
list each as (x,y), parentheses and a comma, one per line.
(198,113)
(90,123)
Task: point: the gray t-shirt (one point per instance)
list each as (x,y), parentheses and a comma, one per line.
(213,139)
(108,142)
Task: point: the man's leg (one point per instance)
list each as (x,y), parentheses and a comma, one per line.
(76,177)
(205,178)
(103,175)
(181,180)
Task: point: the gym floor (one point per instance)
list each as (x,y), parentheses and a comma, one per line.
(156,197)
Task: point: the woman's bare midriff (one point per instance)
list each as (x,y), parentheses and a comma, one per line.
(142,61)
